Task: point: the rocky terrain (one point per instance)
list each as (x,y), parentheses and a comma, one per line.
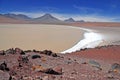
(101,63)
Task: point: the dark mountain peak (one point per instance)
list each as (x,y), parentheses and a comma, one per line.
(48,18)
(47,14)
(70,20)
(22,15)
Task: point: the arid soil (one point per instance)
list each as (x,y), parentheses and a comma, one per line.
(101,63)
(96,24)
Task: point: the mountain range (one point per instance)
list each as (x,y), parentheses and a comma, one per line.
(21,18)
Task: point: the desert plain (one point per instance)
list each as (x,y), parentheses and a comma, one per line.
(33,52)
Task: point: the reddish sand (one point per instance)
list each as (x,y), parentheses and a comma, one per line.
(109,53)
(96,24)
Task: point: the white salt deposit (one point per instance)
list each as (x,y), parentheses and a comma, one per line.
(91,40)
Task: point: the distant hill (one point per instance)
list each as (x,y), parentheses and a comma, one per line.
(80,21)
(21,18)
(47,18)
(69,20)
(17,16)
(5,19)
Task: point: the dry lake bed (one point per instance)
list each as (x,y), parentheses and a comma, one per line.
(57,38)
(38,36)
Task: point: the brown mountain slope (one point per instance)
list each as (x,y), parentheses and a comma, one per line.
(4,19)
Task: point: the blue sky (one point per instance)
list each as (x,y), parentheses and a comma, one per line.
(88,10)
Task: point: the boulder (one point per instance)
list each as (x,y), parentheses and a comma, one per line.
(22,53)
(115,67)
(35,51)
(95,64)
(4,67)
(58,70)
(23,59)
(19,51)
(54,71)
(36,56)
(47,52)
(2,52)
(54,55)
(10,51)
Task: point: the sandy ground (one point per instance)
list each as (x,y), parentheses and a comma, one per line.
(36,36)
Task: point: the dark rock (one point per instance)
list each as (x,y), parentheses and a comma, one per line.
(20,65)
(84,63)
(75,60)
(69,58)
(84,49)
(23,59)
(58,70)
(35,56)
(22,53)
(4,67)
(27,51)
(2,52)
(47,52)
(19,51)
(95,64)
(115,68)
(35,51)
(51,71)
(54,55)
(10,51)
(10,78)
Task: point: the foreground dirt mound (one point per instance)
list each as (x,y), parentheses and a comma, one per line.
(102,63)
